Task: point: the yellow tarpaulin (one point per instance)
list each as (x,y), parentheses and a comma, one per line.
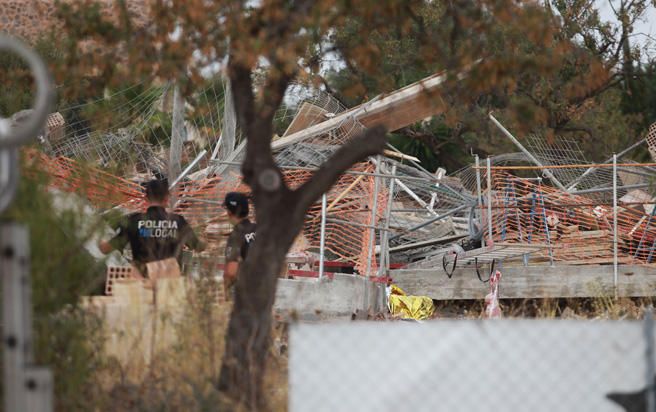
(410,307)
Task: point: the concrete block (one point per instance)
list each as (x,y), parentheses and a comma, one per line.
(343,295)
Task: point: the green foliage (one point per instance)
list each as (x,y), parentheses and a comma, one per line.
(583,96)
(66,339)
(158,129)
(16,81)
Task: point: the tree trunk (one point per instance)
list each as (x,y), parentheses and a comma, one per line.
(280,213)
(249,330)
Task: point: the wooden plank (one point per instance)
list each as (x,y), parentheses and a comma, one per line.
(531,282)
(394,110)
(589,234)
(608,260)
(570,229)
(306,116)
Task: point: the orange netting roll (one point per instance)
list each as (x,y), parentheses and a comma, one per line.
(579,228)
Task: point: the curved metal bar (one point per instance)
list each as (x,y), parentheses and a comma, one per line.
(449,274)
(23,133)
(478,272)
(8,176)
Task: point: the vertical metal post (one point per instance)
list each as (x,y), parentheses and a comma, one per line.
(615,223)
(649,358)
(546,228)
(225,146)
(14,255)
(372,231)
(177,132)
(489,199)
(479,197)
(384,245)
(39,383)
(322,246)
(26,388)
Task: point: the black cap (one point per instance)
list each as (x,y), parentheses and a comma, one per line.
(237,204)
(157,189)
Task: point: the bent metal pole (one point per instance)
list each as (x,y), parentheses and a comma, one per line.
(528,154)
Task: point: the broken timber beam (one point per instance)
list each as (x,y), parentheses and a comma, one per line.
(395,110)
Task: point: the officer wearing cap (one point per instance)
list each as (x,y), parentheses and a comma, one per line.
(154,235)
(241,238)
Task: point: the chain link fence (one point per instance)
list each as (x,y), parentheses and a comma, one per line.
(469,365)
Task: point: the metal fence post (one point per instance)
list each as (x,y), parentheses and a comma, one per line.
(177,138)
(177,134)
(322,246)
(489,199)
(649,358)
(479,197)
(372,231)
(615,223)
(26,387)
(384,245)
(13,251)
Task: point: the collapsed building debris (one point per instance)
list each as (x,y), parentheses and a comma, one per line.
(389,211)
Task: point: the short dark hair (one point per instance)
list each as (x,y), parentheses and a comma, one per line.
(237,204)
(157,190)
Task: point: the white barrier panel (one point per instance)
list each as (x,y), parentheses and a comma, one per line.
(500,365)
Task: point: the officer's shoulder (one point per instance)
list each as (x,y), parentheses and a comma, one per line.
(177,217)
(134,216)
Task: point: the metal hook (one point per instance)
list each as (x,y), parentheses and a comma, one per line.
(449,274)
(14,135)
(478,273)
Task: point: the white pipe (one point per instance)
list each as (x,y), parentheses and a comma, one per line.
(384,252)
(479,198)
(489,199)
(372,232)
(322,246)
(615,223)
(414,196)
(188,169)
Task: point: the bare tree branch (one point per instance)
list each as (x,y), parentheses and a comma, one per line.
(613,81)
(369,143)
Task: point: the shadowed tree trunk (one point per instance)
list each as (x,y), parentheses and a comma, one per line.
(280,214)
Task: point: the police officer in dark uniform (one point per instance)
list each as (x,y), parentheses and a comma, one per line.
(241,238)
(154,235)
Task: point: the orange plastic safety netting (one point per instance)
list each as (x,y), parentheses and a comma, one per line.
(349,212)
(578,228)
(102,189)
